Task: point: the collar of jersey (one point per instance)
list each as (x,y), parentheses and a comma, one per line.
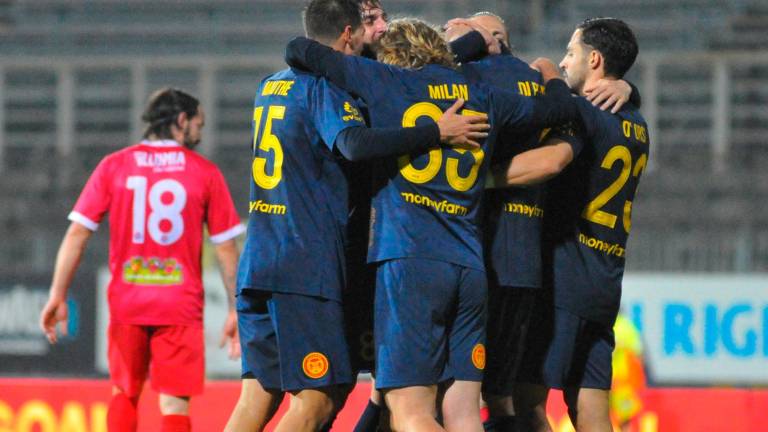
(160,143)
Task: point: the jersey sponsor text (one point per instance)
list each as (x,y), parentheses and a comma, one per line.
(524,209)
(602,246)
(264,207)
(441,206)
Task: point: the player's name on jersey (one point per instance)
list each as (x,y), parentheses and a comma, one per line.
(530,88)
(161,161)
(602,246)
(265,207)
(532,211)
(448,91)
(635,130)
(277,88)
(441,206)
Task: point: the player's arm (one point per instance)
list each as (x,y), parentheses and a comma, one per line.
(537,165)
(361,143)
(607,93)
(67,260)
(612,94)
(560,146)
(466,44)
(227,256)
(351,73)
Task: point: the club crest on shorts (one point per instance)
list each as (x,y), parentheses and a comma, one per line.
(478,356)
(315,365)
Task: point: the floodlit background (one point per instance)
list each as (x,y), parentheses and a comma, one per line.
(75,74)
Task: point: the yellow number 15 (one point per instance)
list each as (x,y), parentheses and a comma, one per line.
(267,142)
(423,175)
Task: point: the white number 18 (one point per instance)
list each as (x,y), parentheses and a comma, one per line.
(160,211)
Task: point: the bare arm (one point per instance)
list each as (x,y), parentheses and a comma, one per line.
(67,260)
(227,255)
(537,165)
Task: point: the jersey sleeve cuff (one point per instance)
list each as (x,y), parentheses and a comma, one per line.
(83,220)
(228,234)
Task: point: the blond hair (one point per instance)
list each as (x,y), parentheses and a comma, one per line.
(412,43)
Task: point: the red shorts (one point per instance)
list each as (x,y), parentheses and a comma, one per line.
(174,356)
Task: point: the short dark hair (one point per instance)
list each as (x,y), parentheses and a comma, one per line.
(164,108)
(326,19)
(615,41)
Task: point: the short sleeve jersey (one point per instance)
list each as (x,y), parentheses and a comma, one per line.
(158,195)
(512,217)
(588,213)
(426,205)
(299,195)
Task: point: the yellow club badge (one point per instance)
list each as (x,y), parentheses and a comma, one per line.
(315,365)
(478,356)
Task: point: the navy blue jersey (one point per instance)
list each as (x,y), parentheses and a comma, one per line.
(426,205)
(513,217)
(588,212)
(298,201)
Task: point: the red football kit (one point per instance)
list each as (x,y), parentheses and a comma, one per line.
(158,195)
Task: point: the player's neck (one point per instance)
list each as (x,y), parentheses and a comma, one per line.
(592,78)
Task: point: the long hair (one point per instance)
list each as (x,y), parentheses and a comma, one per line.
(412,43)
(163,111)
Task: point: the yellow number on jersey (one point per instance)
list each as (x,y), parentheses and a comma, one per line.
(268,142)
(592,212)
(430,171)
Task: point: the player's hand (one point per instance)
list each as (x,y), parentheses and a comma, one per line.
(547,68)
(453,32)
(229,336)
(491,43)
(608,93)
(54,313)
(462,130)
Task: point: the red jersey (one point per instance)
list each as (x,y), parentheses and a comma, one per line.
(158,195)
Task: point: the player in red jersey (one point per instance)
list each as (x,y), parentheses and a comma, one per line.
(158,194)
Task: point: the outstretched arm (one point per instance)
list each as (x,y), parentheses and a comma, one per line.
(307,54)
(227,255)
(67,260)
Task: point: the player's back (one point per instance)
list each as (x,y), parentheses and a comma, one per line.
(513,216)
(589,208)
(426,205)
(298,200)
(158,195)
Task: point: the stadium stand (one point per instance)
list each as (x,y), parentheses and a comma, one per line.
(75,74)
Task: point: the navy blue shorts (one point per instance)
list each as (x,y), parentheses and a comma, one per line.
(509,315)
(567,351)
(429,323)
(292,342)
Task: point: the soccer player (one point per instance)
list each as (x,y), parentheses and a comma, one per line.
(158,194)
(430,293)
(292,273)
(374,24)
(512,216)
(587,221)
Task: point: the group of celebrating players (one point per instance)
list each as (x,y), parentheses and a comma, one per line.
(399,222)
